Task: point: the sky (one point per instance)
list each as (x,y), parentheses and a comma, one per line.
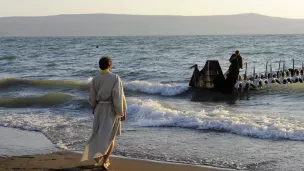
(278,8)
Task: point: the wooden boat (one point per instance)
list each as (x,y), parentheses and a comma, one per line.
(212,79)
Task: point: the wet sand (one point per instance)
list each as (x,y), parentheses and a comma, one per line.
(70,161)
(22,150)
(17,142)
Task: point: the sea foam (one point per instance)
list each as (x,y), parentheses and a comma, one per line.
(150,113)
(61,130)
(141,86)
(155,88)
(68,129)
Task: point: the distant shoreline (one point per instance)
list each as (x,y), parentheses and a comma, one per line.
(148,25)
(219,15)
(291,34)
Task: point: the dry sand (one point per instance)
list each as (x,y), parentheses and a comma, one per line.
(70,161)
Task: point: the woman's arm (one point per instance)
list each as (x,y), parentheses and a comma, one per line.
(124,116)
(124,108)
(118,98)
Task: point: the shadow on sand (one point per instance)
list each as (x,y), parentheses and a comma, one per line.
(79,168)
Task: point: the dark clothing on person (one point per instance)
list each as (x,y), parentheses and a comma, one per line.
(236,62)
(234,71)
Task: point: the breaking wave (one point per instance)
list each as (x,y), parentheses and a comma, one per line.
(82,85)
(52,64)
(63,131)
(9,57)
(155,88)
(141,86)
(49,99)
(149,113)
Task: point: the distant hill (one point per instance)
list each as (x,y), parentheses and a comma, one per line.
(138,25)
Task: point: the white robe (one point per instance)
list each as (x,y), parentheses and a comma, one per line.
(107,96)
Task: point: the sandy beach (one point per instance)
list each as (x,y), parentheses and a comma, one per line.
(69,161)
(27,150)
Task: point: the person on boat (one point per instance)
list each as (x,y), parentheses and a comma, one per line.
(109,109)
(237,63)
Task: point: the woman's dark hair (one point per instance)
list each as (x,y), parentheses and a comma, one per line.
(105,62)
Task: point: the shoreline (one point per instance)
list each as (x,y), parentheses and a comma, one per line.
(29,150)
(70,161)
(19,142)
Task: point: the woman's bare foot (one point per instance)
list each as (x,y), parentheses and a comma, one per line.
(106,165)
(98,161)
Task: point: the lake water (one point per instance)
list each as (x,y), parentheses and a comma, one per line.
(44,85)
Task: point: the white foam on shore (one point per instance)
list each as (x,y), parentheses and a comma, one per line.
(89,80)
(61,130)
(16,142)
(155,88)
(149,113)
(68,129)
(61,145)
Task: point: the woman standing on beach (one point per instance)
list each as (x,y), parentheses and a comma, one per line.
(109,109)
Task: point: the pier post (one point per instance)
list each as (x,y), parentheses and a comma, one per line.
(279,72)
(266,71)
(303,68)
(245,76)
(270,70)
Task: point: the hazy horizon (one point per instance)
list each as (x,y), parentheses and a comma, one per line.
(157,15)
(279,8)
(144,25)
